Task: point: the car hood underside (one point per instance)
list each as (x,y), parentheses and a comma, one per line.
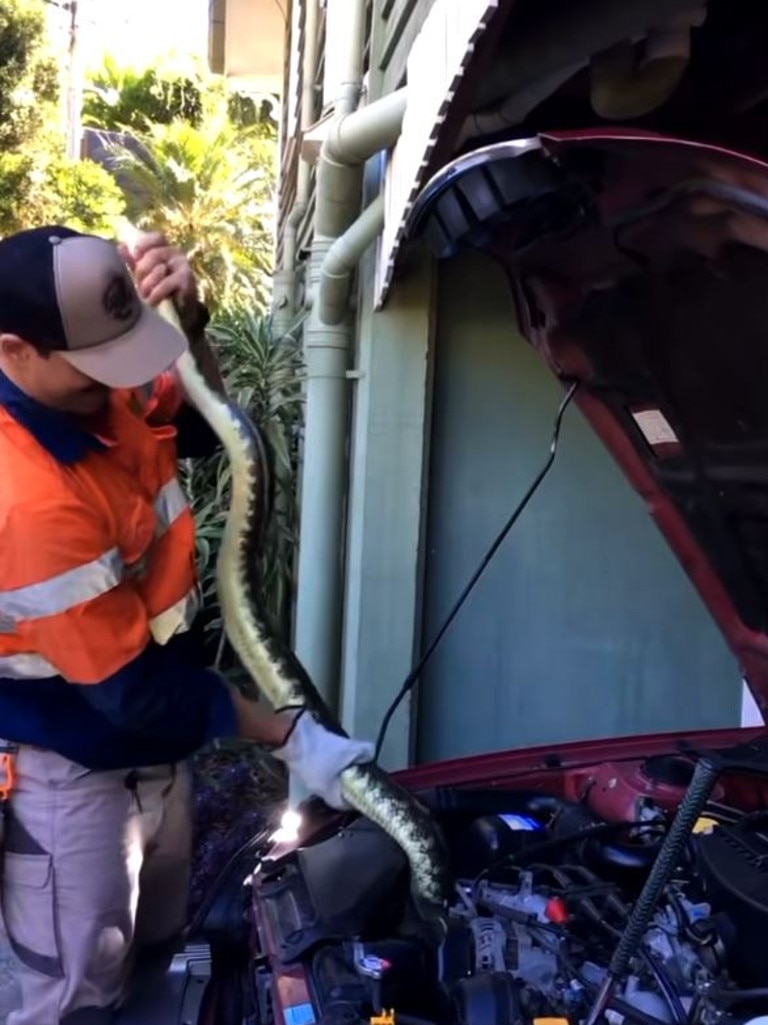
(638,271)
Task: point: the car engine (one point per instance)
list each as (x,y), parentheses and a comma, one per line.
(543,889)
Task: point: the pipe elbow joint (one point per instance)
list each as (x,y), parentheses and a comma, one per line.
(624,86)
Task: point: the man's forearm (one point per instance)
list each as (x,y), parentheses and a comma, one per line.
(257,723)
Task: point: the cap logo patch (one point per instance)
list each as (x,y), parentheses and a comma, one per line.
(118,299)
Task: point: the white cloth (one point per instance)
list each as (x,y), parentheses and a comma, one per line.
(318,757)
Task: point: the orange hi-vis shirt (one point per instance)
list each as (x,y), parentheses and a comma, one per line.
(98,582)
(97,556)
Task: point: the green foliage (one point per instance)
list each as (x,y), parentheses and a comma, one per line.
(264,376)
(119,99)
(28,78)
(200,166)
(47,188)
(37,184)
(86,195)
(210,190)
(245,111)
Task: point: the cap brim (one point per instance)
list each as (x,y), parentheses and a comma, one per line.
(135,358)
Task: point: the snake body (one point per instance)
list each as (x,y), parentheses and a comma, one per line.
(276,670)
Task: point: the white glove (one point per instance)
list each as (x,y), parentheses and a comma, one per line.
(317,757)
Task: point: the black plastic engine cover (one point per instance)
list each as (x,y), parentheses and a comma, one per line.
(352,884)
(733,865)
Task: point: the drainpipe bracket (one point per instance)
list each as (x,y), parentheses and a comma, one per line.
(314,138)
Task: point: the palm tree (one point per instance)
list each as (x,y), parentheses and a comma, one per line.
(210,189)
(121,98)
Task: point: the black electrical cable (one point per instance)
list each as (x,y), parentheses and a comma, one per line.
(252,844)
(730,997)
(707,773)
(625,1009)
(583,897)
(412,678)
(666,985)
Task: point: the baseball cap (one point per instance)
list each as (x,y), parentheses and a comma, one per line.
(72,292)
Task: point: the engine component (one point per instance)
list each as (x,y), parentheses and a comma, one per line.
(532,932)
(620,792)
(513,949)
(634,993)
(621,852)
(347,885)
(374,976)
(691,807)
(539,929)
(488,841)
(733,863)
(667,939)
(491,999)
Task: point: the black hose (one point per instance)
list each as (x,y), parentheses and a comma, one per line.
(658,971)
(614,1003)
(726,997)
(588,832)
(628,1011)
(707,772)
(666,986)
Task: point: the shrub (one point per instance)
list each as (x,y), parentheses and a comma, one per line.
(37,184)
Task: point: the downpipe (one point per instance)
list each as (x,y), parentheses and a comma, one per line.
(352,140)
(339,242)
(340,262)
(340,238)
(328,335)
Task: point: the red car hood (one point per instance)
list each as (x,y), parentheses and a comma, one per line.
(638,271)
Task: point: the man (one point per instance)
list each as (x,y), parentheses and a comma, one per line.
(101,693)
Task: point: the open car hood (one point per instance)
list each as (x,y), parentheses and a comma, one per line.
(638,273)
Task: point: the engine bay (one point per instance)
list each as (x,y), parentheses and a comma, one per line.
(544,880)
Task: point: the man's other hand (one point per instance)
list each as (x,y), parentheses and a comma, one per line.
(318,757)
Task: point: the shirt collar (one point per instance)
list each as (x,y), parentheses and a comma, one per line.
(59,433)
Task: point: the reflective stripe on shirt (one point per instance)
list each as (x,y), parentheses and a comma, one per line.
(169,505)
(62,592)
(176,619)
(26,667)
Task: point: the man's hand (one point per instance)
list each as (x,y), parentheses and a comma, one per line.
(314,754)
(318,757)
(161,271)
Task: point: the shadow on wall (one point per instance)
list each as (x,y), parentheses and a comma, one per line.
(585,624)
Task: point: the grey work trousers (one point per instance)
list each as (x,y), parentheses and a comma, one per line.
(95,866)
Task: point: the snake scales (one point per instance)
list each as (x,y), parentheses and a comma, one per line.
(276,670)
